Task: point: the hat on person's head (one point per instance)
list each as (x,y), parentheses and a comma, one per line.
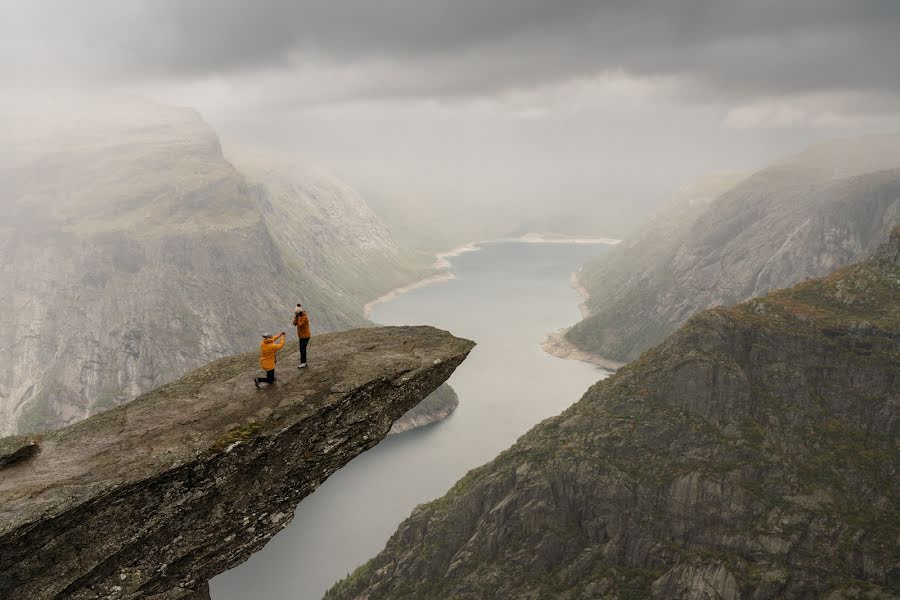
(267,335)
(298,310)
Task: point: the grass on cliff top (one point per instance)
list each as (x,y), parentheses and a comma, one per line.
(867,292)
(239,433)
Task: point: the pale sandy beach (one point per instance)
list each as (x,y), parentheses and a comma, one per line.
(550,238)
(557,345)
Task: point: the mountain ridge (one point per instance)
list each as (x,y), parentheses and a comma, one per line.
(802,217)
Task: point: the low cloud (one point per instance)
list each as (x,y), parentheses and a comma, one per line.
(582,107)
(466,47)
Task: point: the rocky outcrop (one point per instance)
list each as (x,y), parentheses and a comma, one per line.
(15,448)
(132,251)
(153,498)
(752,455)
(439,405)
(802,217)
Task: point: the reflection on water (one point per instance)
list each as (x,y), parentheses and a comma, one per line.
(507,297)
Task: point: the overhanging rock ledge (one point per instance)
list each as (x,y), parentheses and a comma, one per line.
(154,498)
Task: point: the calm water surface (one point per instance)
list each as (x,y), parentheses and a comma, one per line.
(506,296)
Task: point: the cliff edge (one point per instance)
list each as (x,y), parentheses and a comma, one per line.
(153,498)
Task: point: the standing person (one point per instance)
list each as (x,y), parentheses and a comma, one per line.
(301,320)
(267,348)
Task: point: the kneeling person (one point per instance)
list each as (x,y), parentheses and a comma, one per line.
(268,347)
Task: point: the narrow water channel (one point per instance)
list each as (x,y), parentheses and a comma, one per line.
(506,296)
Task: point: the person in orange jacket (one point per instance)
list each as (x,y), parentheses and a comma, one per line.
(301,320)
(267,348)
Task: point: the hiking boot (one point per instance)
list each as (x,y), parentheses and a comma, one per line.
(301,366)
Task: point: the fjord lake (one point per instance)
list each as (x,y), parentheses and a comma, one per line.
(506,296)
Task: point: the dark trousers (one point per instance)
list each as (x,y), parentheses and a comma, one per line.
(269,378)
(304,342)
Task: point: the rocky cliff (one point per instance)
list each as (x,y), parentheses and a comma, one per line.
(132,251)
(326,230)
(753,454)
(153,498)
(436,407)
(802,217)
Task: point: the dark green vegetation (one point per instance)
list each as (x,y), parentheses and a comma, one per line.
(802,217)
(753,454)
(235,435)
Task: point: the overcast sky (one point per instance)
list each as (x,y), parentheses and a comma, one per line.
(536,102)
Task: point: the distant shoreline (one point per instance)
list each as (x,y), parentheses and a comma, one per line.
(583,305)
(556,344)
(442,263)
(550,238)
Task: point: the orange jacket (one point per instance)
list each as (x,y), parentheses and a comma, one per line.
(302,323)
(267,350)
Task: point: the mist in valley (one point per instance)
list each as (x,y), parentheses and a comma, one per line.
(593,192)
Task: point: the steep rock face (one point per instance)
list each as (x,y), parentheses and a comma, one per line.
(131,251)
(753,454)
(436,407)
(325,228)
(153,498)
(802,217)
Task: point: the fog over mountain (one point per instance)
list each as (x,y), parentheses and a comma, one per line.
(574,116)
(689,207)
(133,250)
(803,216)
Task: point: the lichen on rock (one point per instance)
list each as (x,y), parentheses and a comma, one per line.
(15,448)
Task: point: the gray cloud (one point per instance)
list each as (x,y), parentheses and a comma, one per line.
(573,110)
(452,47)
